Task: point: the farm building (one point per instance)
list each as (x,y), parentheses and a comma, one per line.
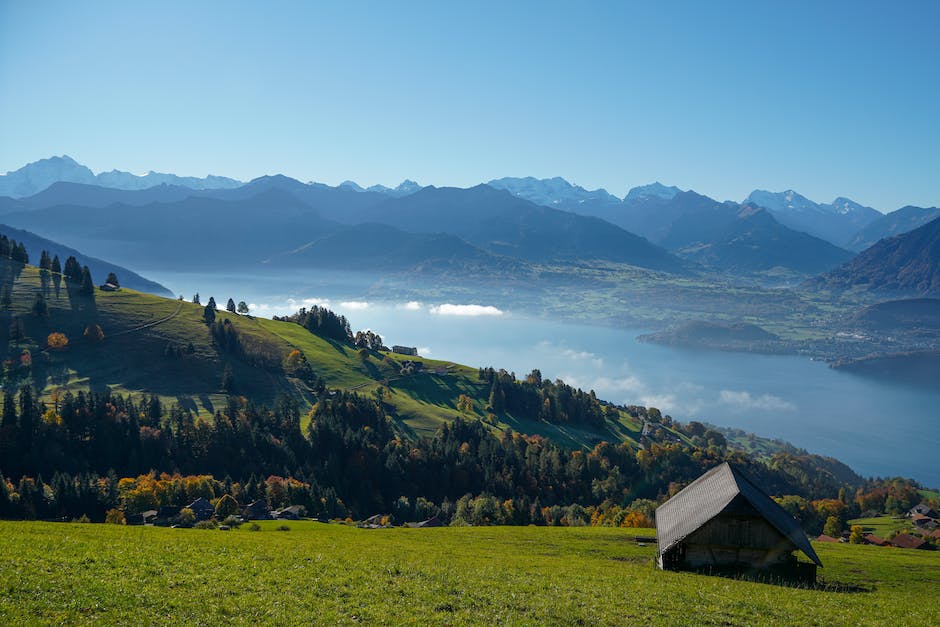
(405,350)
(723,521)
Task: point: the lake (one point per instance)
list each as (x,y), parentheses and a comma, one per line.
(877,427)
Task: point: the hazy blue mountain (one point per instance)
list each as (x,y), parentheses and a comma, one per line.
(37,176)
(834,222)
(403,189)
(99,269)
(895,223)
(554,192)
(654,190)
(754,241)
(197,231)
(504,224)
(370,246)
(907,264)
(80,194)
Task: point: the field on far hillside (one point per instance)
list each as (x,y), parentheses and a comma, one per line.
(80,573)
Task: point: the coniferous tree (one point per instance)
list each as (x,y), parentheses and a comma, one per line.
(40,309)
(16,332)
(208,314)
(73,270)
(56,266)
(196,299)
(113,280)
(88,285)
(212,303)
(230,306)
(9,410)
(19,253)
(6,298)
(45,263)
(242,307)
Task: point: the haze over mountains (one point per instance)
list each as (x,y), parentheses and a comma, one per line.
(218,222)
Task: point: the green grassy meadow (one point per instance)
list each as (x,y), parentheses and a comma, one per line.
(80,573)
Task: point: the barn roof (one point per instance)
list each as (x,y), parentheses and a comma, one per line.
(708,496)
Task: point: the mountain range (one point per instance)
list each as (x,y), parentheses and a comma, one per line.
(37,176)
(137,219)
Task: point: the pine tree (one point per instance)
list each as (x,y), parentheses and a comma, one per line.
(6,299)
(88,286)
(113,280)
(9,410)
(212,303)
(56,266)
(40,309)
(230,306)
(45,263)
(196,299)
(73,270)
(16,332)
(208,314)
(242,308)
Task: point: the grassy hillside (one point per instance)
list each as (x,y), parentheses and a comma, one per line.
(482,575)
(161,346)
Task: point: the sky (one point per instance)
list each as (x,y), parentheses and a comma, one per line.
(827,98)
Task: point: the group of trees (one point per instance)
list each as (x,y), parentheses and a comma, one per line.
(231,307)
(536,399)
(322,321)
(351,459)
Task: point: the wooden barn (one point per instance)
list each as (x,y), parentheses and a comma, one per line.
(723,522)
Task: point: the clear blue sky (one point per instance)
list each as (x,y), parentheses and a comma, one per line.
(828,98)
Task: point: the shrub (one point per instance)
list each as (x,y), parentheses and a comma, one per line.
(232,521)
(186,518)
(254,527)
(282,528)
(206,524)
(84,519)
(114,517)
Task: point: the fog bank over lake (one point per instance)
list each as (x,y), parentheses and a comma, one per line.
(877,427)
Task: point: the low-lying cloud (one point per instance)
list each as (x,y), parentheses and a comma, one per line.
(745,400)
(448,309)
(354,304)
(411,305)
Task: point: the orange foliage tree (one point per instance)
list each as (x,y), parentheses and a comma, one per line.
(57,341)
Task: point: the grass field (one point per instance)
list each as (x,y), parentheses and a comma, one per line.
(74,573)
(883,525)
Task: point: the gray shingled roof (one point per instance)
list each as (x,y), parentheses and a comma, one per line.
(708,496)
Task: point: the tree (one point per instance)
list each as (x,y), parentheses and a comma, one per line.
(93,333)
(40,309)
(45,263)
(196,299)
(857,535)
(230,306)
(6,298)
(242,308)
(73,271)
(208,314)
(57,341)
(833,527)
(212,303)
(186,518)
(226,506)
(56,266)
(88,285)
(115,517)
(113,280)
(465,404)
(228,378)
(16,332)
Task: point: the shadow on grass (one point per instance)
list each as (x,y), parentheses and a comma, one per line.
(783,580)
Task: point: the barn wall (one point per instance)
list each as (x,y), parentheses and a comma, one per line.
(727,540)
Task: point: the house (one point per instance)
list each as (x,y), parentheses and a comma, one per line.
(723,521)
(405,350)
(294,512)
(922,509)
(202,509)
(257,510)
(166,515)
(109,287)
(906,541)
(920,520)
(871,538)
(434,521)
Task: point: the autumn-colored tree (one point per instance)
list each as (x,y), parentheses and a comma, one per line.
(464,404)
(186,518)
(857,535)
(833,527)
(93,333)
(115,517)
(226,506)
(57,341)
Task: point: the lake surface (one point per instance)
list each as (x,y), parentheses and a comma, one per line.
(878,428)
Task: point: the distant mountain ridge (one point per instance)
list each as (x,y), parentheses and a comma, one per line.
(99,269)
(35,177)
(835,222)
(905,265)
(895,223)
